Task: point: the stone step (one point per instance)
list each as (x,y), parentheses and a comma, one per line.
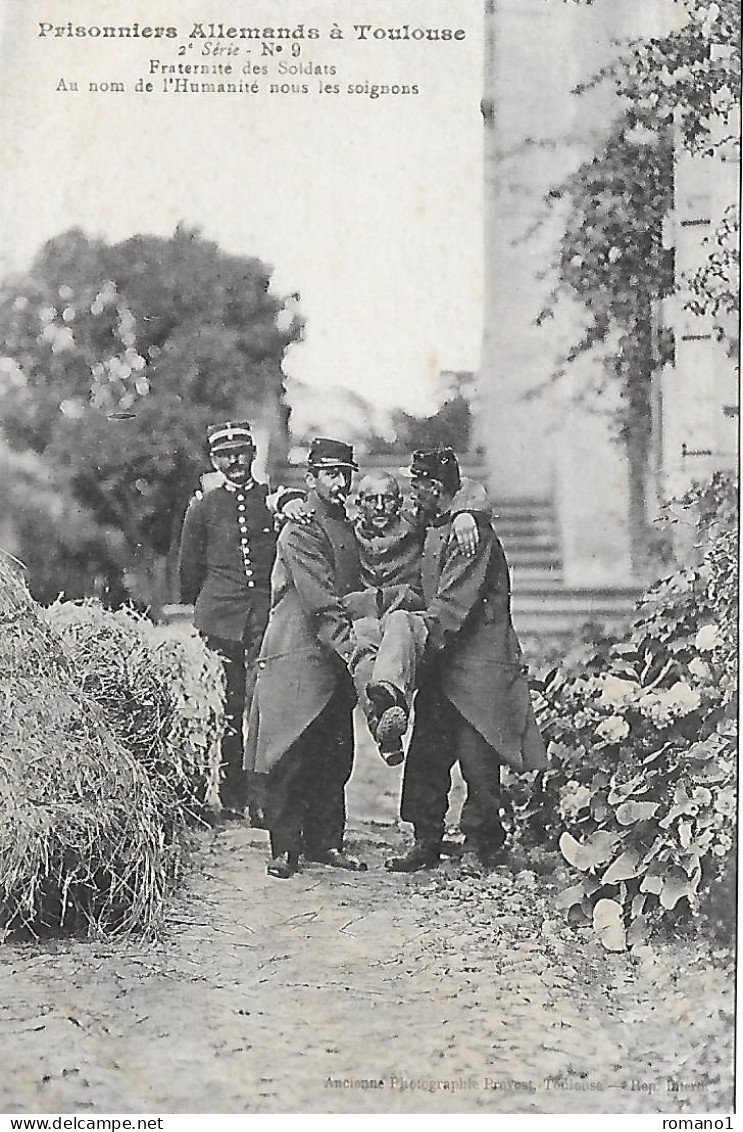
(528,557)
(517,546)
(528,580)
(561,611)
(517,522)
(535,507)
(570,599)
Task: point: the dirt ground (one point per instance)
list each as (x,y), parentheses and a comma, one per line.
(337,993)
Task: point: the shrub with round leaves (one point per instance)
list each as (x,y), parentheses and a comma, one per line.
(641,792)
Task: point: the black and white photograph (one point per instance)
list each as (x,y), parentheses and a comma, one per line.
(369,548)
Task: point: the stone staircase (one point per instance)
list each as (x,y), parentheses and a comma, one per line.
(544,607)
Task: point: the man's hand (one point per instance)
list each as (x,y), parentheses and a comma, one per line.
(466,533)
(297,511)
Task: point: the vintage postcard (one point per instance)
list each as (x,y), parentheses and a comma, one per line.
(368,586)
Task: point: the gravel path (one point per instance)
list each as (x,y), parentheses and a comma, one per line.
(440,993)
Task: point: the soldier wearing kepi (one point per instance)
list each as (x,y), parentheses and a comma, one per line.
(300,735)
(227,551)
(473,705)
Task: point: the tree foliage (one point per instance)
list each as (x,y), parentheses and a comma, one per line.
(714,289)
(612,256)
(115,359)
(451,425)
(691,76)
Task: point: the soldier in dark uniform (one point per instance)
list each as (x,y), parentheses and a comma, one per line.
(300,736)
(227,551)
(389,639)
(473,705)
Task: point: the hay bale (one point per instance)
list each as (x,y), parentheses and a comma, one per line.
(163,697)
(81,843)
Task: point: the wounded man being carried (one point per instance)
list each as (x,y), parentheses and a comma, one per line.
(389,632)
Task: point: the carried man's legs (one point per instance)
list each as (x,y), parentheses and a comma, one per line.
(394,674)
(384,666)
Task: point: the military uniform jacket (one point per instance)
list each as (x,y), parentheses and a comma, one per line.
(478,657)
(227,551)
(309,638)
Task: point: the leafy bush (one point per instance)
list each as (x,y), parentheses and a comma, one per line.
(641,791)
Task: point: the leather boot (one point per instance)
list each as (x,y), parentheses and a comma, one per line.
(283,865)
(385,695)
(388,735)
(424,854)
(337,859)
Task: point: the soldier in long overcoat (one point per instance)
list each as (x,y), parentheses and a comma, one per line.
(473,705)
(300,733)
(228,545)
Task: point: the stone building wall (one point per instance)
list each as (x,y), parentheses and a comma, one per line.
(540,441)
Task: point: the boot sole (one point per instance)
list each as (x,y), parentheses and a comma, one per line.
(391,728)
(393,867)
(281,872)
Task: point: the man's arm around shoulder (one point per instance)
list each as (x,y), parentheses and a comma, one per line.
(461,585)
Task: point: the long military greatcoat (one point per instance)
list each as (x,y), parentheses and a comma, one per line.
(478,655)
(309,638)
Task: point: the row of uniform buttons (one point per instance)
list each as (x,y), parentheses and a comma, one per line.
(244,542)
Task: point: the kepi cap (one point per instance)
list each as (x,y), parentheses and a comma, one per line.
(436,464)
(230,434)
(326,453)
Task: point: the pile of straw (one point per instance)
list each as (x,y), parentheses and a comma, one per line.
(103,755)
(80,840)
(162,696)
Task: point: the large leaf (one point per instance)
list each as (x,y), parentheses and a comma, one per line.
(659,843)
(638,905)
(652,883)
(607,922)
(572,851)
(638,931)
(624,868)
(570,896)
(623,790)
(597,849)
(599,808)
(630,812)
(676,885)
(710,774)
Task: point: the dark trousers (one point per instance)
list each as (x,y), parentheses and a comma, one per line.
(442,736)
(305,793)
(239,664)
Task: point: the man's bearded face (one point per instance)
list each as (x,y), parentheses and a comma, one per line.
(379,501)
(236,464)
(426,493)
(332,484)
